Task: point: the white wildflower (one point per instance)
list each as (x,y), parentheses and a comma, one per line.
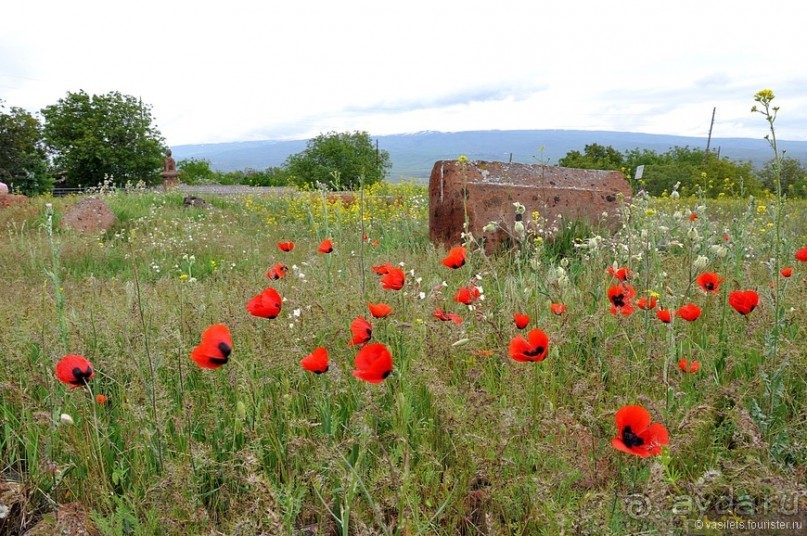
(700,262)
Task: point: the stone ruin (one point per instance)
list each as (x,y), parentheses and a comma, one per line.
(88,215)
(491,188)
(193,201)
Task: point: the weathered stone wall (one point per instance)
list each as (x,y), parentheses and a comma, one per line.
(491,188)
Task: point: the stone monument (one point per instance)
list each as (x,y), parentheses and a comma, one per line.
(169,173)
(486,191)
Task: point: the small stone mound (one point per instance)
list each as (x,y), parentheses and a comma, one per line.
(7,200)
(193,201)
(89,215)
(71,519)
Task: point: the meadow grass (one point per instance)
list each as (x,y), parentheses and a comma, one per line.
(460,438)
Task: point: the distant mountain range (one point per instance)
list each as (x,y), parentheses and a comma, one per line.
(413,155)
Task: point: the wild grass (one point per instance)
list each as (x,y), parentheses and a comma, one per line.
(460,438)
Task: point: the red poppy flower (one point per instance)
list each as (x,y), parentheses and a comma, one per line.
(709,281)
(215,348)
(801,255)
(534,349)
(101,399)
(316,361)
(521,320)
(623,274)
(278,271)
(689,312)
(393,280)
(326,246)
(445,317)
(267,304)
(373,363)
(455,258)
(693,217)
(362,330)
(467,295)
(665,315)
(379,310)
(635,434)
(787,271)
(557,308)
(726,238)
(620,297)
(286,246)
(382,269)
(374,243)
(74,370)
(646,303)
(692,367)
(744,301)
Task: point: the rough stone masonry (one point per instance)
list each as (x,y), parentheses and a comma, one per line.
(491,188)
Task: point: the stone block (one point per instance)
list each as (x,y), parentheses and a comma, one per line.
(491,188)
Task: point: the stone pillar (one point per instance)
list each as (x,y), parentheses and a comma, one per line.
(169,173)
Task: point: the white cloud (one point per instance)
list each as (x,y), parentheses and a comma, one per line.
(244,70)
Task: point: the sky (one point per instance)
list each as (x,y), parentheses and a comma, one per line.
(260,70)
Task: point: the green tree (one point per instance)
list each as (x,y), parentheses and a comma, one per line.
(345,155)
(793,177)
(595,156)
(23,160)
(95,137)
(193,171)
(694,169)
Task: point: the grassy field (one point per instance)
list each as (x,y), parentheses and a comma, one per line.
(460,438)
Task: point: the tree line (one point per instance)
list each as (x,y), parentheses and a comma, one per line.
(690,171)
(86,140)
(335,161)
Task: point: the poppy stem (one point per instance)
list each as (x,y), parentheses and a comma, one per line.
(98,453)
(187,411)
(147,348)
(363,234)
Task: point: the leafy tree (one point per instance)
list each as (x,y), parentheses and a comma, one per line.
(793,177)
(193,171)
(95,137)
(595,156)
(694,169)
(271,176)
(338,160)
(23,160)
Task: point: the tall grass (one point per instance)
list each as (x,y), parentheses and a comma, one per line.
(460,439)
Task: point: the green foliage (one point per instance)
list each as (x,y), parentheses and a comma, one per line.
(271,176)
(693,170)
(193,171)
(793,178)
(345,155)
(23,161)
(595,156)
(96,137)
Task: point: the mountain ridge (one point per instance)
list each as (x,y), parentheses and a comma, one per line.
(413,154)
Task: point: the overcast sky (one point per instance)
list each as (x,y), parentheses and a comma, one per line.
(266,69)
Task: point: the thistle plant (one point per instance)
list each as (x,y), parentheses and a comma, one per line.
(765,99)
